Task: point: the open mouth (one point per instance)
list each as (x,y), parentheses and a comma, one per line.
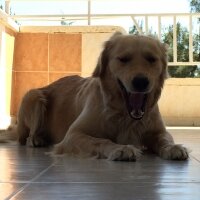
(135,102)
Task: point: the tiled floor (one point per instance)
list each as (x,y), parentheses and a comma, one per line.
(30,174)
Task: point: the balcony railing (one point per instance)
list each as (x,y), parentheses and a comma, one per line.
(143,23)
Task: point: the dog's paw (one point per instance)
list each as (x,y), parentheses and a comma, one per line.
(36,141)
(174,152)
(125,153)
(58,149)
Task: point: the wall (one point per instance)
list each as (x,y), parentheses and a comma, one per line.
(92,44)
(41,58)
(7,39)
(42,55)
(180,102)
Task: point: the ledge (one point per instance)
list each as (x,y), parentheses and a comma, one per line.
(71,29)
(183,82)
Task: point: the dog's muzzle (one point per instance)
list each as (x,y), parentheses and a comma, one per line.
(136,101)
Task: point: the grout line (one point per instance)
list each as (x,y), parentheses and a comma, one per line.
(113,182)
(14,194)
(101,182)
(48,59)
(63,72)
(195,159)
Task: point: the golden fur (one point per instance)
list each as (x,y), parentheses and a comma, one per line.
(113,114)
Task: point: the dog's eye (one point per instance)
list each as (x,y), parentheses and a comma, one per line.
(124,59)
(151,59)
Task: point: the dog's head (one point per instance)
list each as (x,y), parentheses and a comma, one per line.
(138,64)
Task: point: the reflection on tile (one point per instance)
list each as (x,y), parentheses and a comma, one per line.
(79,170)
(29,173)
(8,189)
(19,173)
(65,52)
(22,164)
(31,52)
(110,191)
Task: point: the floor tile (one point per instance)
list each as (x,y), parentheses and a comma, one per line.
(80,170)
(8,189)
(110,191)
(29,173)
(22,164)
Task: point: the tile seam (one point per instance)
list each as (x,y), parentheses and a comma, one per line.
(14,194)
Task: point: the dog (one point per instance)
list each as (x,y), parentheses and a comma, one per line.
(111,115)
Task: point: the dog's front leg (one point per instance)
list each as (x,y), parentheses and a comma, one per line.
(81,144)
(163,144)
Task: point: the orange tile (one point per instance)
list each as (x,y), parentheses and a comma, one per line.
(65,52)
(23,82)
(55,76)
(31,52)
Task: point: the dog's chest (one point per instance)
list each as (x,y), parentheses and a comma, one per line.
(123,130)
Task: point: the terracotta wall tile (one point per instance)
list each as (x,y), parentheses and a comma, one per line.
(31,52)
(65,52)
(55,76)
(23,82)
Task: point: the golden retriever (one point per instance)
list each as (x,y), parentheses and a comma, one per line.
(113,114)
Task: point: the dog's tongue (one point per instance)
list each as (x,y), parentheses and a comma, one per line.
(136,102)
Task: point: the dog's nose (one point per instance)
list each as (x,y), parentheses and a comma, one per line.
(140,83)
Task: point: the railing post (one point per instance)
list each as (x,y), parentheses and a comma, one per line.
(89,12)
(159,27)
(7,6)
(146,25)
(190,40)
(174,40)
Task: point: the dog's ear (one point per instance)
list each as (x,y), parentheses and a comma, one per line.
(115,35)
(102,63)
(164,75)
(164,50)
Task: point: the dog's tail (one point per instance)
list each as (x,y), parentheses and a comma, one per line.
(9,134)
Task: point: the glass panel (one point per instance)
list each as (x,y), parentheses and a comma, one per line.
(49,7)
(125,22)
(111,7)
(167,35)
(196,38)
(184,71)
(137,6)
(2,4)
(153,25)
(182,39)
(140,23)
